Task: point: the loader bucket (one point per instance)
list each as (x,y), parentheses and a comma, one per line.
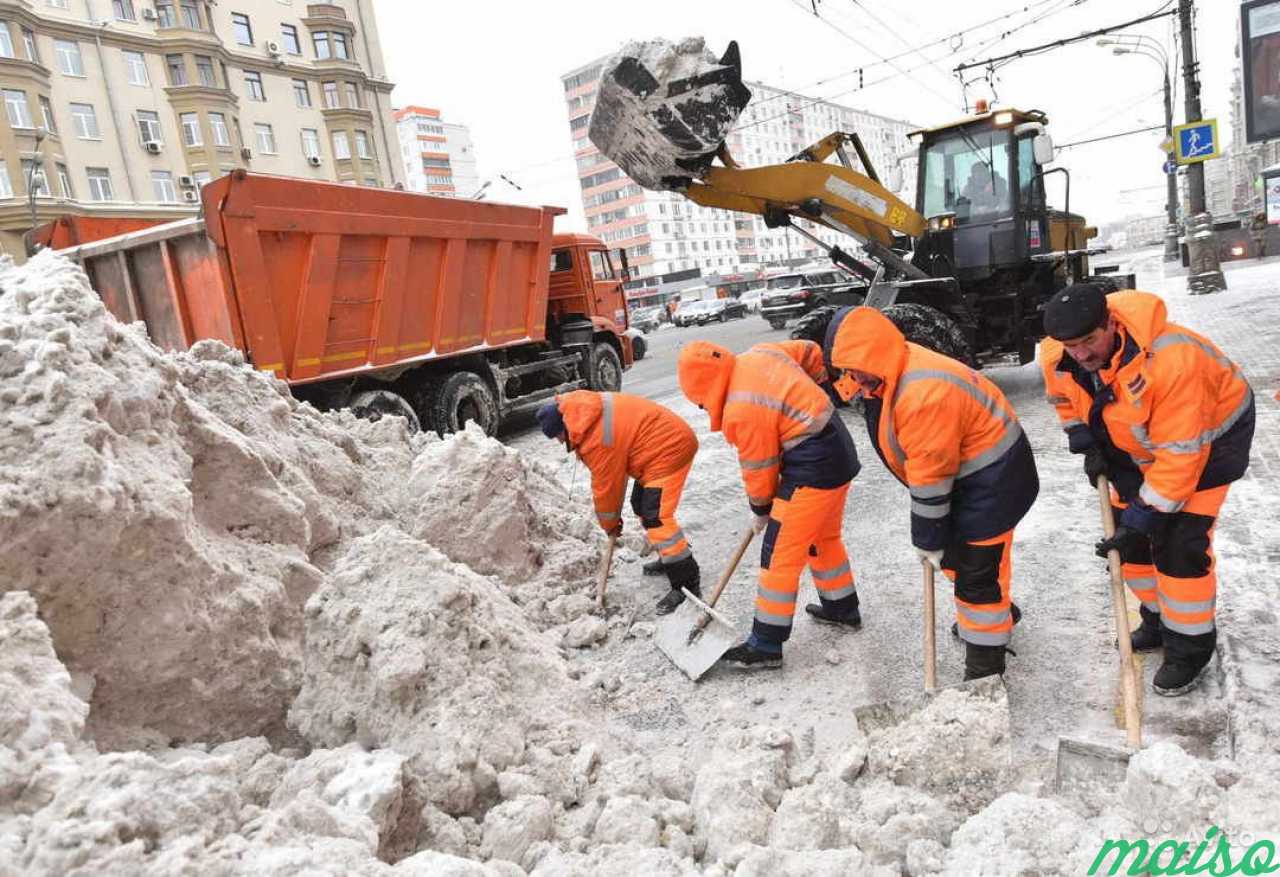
(663,110)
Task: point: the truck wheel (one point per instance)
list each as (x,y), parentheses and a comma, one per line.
(931,328)
(777,324)
(604,369)
(373,405)
(462,397)
(638,348)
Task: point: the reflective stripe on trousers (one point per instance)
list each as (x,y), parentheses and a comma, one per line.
(668,537)
(805,530)
(986,623)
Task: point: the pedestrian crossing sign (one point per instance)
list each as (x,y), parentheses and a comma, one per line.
(1196,141)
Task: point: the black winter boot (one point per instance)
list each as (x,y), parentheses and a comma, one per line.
(980,661)
(1147,638)
(1185,657)
(1013,610)
(654,568)
(681,574)
(746,657)
(851,617)
(1176,677)
(673,599)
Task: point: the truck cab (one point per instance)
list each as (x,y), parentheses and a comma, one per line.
(586,305)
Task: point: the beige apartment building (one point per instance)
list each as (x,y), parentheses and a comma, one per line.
(127,107)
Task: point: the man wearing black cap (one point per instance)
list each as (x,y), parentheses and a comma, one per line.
(618,435)
(1169,420)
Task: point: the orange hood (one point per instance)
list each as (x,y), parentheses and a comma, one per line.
(1143,314)
(865,340)
(704,370)
(580,410)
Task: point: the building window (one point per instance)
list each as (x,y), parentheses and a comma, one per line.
(266,139)
(310,143)
(353,95)
(33,54)
(56,4)
(46,111)
(341,148)
(99,184)
(86,122)
(253,85)
(6,41)
(34,176)
(340,49)
(6,185)
(331,101)
(64,180)
(301,92)
(204,71)
(69,60)
(321,42)
(362,145)
(177,69)
(165,16)
(218,125)
(123,10)
(15,106)
(202,178)
(190,15)
(191,129)
(289,36)
(135,66)
(162,186)
(149,126)
(241,29)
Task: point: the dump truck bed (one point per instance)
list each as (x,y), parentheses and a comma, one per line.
(317,280)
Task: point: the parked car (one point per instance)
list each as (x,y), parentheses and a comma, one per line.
(752,299)
(793,295)
(639,346)
(644,319)
(718,310)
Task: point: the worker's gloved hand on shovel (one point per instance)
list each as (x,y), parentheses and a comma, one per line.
(1125,539)
(614,531)
(933,558)
(758,523)
(1095,464)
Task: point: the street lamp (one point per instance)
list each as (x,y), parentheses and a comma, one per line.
(1140,44)
(37,166)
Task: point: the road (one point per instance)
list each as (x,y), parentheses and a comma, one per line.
(654,377)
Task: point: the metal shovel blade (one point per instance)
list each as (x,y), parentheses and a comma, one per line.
(694,651)
(1082,765)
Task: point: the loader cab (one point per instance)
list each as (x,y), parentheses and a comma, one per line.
(981,191)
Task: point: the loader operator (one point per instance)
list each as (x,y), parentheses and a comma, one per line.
(1169,420)
(797,461)
(952,438)
(618,435)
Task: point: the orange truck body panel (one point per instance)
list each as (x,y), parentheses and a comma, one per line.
(315,280)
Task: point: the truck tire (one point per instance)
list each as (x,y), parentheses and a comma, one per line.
(461,397)
(777,324)
(638,348)
(931,328)
(604,370)
(373,405)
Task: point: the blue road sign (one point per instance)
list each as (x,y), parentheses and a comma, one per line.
(1170,167)
(1196,141)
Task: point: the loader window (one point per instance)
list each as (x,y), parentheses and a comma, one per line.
(1027,182)
(968,174)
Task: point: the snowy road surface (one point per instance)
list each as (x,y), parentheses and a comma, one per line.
(1063,680)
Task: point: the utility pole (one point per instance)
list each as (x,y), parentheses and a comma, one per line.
(1205,273)
(1171,181)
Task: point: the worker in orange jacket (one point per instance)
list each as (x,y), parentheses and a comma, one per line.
(1169,419)
(797,461)
(952,438)
(618,435)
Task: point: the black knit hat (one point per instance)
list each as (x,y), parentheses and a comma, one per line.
(550,420)
(1076,311)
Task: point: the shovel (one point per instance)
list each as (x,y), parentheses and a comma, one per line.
(695,636)
(1080,761)
(603,575)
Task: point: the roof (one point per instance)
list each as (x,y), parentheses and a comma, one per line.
(1018,117)
(413,110)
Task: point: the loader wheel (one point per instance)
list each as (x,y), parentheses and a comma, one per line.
(462,397)
(931,328)
(604,371)
(813,325)
(373,405)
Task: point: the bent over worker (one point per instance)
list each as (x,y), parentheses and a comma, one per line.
(1169,420)
(617,436)
(951,437)
(797,460)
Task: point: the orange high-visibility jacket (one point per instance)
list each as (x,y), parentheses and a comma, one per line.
(944,431)
(1169,407)
(617,436)
(771,408)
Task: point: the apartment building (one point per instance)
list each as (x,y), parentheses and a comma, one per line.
(438,156)
(127,107)
(665,234)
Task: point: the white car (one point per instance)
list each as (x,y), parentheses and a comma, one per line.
(752,299)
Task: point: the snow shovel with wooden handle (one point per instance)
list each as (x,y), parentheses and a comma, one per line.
(695,636)
(603,575)
(1080,761)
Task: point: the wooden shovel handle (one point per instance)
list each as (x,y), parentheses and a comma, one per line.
(1128,682)
(603,575)
(733,565)
(930,638)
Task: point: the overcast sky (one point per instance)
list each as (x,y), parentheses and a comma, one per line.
(496,66)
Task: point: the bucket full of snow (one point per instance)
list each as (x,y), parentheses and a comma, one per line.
(663,110)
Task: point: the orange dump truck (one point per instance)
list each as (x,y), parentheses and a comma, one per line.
(437,309)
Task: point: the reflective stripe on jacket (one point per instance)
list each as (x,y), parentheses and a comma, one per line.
(618,435)
(1169,408)
(942,429)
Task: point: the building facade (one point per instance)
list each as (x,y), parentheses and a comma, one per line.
(127,107)
(665,234)
(438,156)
